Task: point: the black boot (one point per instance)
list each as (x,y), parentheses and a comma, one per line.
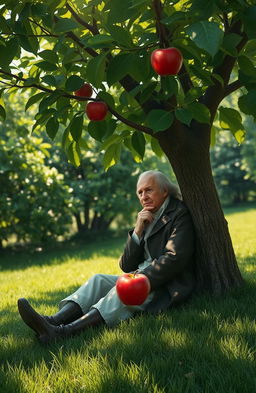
(47,332)
(68,313)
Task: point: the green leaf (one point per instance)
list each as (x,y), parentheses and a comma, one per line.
(74,154)
(183,115)
(45,66)
(128,144)
(64,25)
(2,112)
(52,127)
(66,139)
(95,70)
(146,92)
(31,38)
(113,139)
(97,129)
(120,35)
(73,83)
(32,100)
(48,101)
(140,68)
(49,55)
(204,75)
(206,35)
(192,94)
(169,87)
(175,18)
(99,41)
(9,51)
(246,66)
(230,42)
(138,143)
(214,132)
(63,104)
(246,103)
(5,29)
(120,11)
(249,17)
(230,119)
(112,155)
(107,98)
(159,120)
(199,112)
(76,127)
(136,3)
(83,144)
(156,147)
(50,80)
(118,67)
(43,117)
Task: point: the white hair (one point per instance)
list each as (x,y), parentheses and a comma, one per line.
(163,182)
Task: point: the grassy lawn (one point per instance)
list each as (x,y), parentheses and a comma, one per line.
(208,345)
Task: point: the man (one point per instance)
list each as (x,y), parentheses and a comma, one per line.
(161,246)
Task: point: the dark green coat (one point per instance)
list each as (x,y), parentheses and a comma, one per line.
(172,247)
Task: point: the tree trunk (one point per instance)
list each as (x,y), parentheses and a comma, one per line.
(188,153)
(78,222)
(86,216)
(99,223)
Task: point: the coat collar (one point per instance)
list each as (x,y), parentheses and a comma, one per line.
(165,218)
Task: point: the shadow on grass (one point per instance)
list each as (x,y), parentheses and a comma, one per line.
(11,260)
(184,350)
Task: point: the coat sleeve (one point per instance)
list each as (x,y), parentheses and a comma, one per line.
(132,256)
(178,254)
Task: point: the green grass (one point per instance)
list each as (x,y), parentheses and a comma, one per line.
(206,346)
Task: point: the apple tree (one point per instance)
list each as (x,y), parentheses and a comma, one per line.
(50,49)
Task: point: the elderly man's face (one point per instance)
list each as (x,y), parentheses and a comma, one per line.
(151,196)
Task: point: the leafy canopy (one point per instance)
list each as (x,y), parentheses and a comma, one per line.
(51,48)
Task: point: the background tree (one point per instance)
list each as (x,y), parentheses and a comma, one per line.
(99,197)
(51,48)
(249,150)
(232,178)
(35,204)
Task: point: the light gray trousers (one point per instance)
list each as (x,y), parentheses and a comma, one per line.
(100,292)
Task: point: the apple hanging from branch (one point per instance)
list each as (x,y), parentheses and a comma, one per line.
(166,61)
(133,289)
(96,110)
(84,91)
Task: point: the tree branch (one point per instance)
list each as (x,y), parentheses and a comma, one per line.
(94,21)
(232,87)
(41,27)
(128,122)
(185,80)
(90,51)
(160,28)
(92,28)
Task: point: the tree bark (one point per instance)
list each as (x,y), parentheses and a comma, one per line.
(188,152)
(78,222)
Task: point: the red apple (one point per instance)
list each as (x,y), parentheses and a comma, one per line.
(133,289)
(96,110)
(84,91)
(166,61)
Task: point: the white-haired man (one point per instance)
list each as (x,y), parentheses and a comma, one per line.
(161,246)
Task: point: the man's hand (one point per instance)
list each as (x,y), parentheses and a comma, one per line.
(144,218)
